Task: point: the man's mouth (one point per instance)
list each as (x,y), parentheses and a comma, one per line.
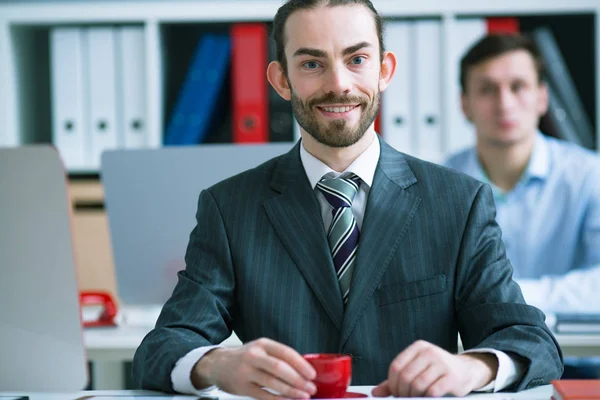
(338,109)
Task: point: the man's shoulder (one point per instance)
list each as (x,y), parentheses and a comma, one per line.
(569,153)
(442,177)
(252,178)
(460,159)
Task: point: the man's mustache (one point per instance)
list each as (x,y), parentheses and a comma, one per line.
(333,99)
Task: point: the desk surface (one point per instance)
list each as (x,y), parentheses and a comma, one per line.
(539,393)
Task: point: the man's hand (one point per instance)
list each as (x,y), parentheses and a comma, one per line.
(260,364)
(425,370)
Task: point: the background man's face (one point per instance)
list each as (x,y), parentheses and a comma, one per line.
(504,99)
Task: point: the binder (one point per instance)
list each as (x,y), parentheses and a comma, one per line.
(503,25)
(68,78)
(461,133)
(194,108)
(132,84)
(564,94)
(428,94)
(558,122)
(281,119)
(249,83)
(397,116)
(104,115)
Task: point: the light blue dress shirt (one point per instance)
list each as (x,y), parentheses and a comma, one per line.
(551,219)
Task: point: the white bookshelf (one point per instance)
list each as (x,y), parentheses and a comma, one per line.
(18,60)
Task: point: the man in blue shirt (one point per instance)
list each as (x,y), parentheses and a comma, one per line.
(547,191)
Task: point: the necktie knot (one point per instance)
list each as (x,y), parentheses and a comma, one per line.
(339,191)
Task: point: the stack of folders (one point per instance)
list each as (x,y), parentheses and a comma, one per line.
(258,114)
(98,84)
(566,118)
(581,323)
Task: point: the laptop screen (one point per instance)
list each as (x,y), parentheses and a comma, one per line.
(41,342)
(151,197)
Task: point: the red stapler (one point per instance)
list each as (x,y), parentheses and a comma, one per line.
(108,313)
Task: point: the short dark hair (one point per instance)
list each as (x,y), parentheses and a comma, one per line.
(496,44)
(291,6)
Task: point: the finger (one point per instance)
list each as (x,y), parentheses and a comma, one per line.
(283,371)
(382,390)
(259,393)
(406,376)
(263,379)
(292,357)
(398,364)
(440,387)
(422,382)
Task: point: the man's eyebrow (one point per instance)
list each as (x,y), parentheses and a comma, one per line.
(355,48)
(305,51)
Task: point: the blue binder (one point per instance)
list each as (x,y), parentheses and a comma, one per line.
(195,105)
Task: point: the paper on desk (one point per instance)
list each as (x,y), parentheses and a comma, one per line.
(128,397)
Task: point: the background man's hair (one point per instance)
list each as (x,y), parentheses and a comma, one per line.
(494,45)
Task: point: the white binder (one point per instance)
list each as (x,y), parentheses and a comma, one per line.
(465,33)
(68,79)
(428,99)
(397,118)
(132,84)
(104,121)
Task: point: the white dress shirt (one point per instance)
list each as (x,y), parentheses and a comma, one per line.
(509,370)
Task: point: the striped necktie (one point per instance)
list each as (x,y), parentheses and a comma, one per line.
(343,232)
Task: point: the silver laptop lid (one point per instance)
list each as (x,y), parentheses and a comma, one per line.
(151,197)
(41,342)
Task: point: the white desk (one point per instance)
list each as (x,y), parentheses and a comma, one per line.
(539,393)
(108,348)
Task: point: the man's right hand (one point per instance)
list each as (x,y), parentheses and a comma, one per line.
(258,365)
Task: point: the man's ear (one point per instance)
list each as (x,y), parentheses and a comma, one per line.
(464,104)
(278,80)
(388,69)
(543,98)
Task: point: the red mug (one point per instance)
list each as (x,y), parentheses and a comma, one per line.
(334,373)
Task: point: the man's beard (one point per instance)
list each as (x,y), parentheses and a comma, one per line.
(336,133)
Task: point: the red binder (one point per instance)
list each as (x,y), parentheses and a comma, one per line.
(576,389)
(502,25)
(249,83)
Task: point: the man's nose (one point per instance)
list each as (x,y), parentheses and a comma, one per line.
(338,80)
(506,99)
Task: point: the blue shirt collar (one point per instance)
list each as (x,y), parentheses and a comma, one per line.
(538,167)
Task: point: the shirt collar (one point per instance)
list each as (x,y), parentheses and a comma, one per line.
(364,166)
(538,167)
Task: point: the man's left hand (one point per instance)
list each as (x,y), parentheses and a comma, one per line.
(424,369)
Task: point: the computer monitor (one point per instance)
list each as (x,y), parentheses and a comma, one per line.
(41,340)
(151,197)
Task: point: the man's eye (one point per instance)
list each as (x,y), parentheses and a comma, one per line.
(311,65)
(358,60)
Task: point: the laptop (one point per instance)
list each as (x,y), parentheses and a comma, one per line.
(41,341)
(151,199)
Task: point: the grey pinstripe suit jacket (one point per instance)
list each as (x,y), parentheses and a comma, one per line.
(430,264)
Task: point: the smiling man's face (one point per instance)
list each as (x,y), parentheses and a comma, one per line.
(334,64)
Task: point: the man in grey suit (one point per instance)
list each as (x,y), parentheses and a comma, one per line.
(345,245)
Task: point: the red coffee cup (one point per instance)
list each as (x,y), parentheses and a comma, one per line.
(334,373)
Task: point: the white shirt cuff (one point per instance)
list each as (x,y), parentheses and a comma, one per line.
(509,370)
(181,373)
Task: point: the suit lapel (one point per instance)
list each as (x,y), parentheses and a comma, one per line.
(296,217)
(390,209)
